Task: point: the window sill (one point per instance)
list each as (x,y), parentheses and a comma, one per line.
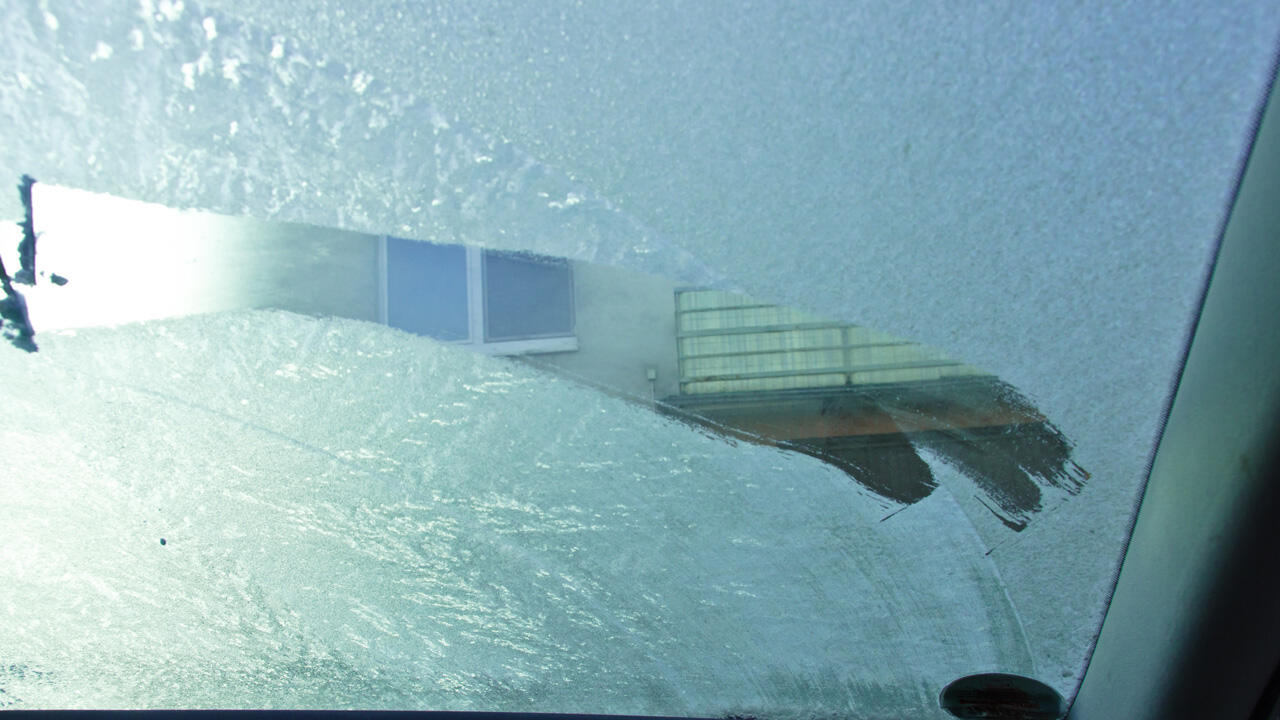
(528,347)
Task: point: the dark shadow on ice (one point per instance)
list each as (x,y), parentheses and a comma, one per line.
(980,425)
(879,407)
(26,274)
(15,322)
(15,325)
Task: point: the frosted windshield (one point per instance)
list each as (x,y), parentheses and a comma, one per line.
(328,456)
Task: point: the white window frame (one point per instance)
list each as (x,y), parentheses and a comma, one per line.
(476,311)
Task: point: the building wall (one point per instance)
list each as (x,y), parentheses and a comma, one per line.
(309,269)
(625,323)
(128,261)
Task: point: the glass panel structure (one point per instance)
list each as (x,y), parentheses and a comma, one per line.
(526,296)
(427,288)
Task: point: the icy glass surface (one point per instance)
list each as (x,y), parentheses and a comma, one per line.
(266,509)
(1034,189)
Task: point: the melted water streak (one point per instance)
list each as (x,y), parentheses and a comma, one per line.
(982,426)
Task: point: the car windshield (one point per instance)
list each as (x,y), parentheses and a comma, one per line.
(667,358)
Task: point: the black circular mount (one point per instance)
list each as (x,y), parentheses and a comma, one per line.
(999,696)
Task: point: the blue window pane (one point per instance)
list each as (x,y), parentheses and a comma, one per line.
(526,296)
(427,288)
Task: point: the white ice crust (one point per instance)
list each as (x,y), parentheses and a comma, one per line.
(263,509)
